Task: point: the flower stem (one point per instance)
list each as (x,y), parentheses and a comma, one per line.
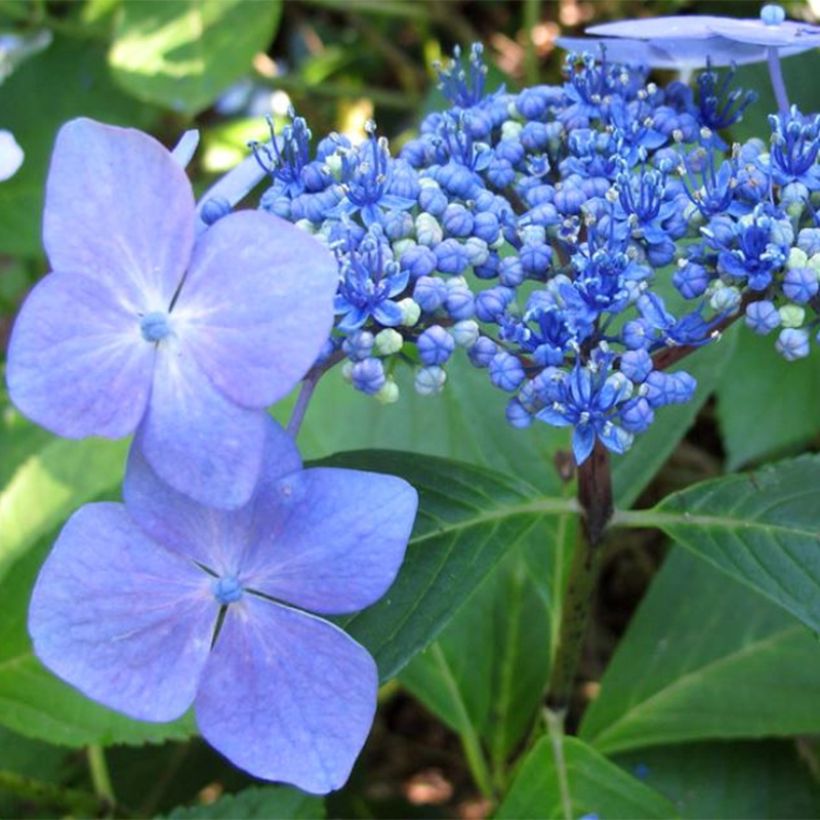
(100,778)
(300,408)
(555,729)
(778,83)
(595,497)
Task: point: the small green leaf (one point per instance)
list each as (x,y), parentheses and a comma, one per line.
(594,784)
(761,528)
(50,484)
(183,53)
(468,518)
(753,779)
(785,396)
(714,661)
(35,703)
(268,802)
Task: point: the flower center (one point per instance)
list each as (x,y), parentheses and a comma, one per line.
(155,326)
(227,589)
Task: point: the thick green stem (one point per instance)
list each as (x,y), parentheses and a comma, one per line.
(69,801)
(595,497)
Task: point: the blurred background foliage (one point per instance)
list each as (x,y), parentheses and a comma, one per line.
(222,66)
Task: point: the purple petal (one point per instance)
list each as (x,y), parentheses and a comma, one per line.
(120,210)
(257,305)
(77,362)
(334,539)
(212,537)
(194,438)
(756,32)
(696,26)
(287,696)
(121,619)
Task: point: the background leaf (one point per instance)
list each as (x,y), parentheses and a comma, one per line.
(183,53)
(50,484)
(69,79)
(468,518)
(785,397)
(715,661)
(269,802)
(760,528)
(753,779)
(596,786)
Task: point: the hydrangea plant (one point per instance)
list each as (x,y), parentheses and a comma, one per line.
(575,243)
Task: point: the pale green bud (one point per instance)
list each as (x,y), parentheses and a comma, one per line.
(387,342)
(410,312)
(792,315)
(388,394)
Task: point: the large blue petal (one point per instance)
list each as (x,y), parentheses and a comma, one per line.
(214,538)
(77,362)
(121,619)
(332,540)
(287,696)
(257,305)
(120,210)
(195,439)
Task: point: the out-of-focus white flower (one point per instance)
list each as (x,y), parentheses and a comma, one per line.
(11,155)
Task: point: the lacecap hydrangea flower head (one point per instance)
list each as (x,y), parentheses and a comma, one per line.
(154,606)
(144,327)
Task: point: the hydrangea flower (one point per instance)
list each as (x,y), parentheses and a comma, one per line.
(11,155)
(690,40)
(154,606)
(142,327)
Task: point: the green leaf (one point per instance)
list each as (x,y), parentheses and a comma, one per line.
(34,703)
(486,675)
(633,471)
(466,422)
(785,397)
(595,786)
(750,779)
(705,658)
(86,89)
(183,53)
(760,528)
(468,518)
(50,484)
(268,802)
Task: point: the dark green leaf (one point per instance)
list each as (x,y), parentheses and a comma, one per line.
(731,779)
(268,802)
(761,528)
(785,397)
(705,658)
(594,784)
(183,53)
(468,519)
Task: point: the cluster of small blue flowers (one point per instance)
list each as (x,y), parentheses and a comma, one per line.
(534,229)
